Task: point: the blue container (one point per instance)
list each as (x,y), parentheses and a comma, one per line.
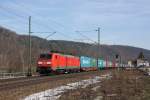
(85,62)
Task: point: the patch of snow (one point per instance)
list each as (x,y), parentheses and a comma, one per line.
(99,98)
(55,93)
(95,88)
(111,95)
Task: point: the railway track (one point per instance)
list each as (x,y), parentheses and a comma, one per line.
(12,84)
(22,82)
(16,79)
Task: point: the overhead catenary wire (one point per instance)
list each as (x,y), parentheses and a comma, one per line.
(38,19)
(50,35)
(85,36)
(14,13)
(22,19)
(36,14)
(33,13)
(62,34)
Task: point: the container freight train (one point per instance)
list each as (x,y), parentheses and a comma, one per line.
(61,63)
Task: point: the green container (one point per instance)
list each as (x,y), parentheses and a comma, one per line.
(93,62)
(100,63)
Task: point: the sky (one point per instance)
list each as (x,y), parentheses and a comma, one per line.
(121,22)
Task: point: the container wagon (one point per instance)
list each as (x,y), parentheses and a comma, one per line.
(101,64)
(87,63)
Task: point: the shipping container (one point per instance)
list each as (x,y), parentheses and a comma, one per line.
(85,61)
(100,63)
(93,62)
(88,63)
(104,63)
(109,64)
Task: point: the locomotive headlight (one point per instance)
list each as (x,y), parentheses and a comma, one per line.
(48,62)
(39,62)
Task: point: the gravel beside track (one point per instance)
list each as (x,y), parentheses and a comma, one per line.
(2,81)
(22,82)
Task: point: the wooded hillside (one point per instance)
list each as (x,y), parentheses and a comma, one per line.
(14,50)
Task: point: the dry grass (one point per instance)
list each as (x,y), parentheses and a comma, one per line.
(79,94)
(124,85)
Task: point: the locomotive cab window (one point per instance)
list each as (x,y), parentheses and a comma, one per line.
(46,56)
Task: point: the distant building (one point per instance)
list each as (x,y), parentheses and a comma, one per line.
(130,64)
(142,61)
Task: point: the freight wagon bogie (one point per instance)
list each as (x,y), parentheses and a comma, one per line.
(65,71)
(43,71)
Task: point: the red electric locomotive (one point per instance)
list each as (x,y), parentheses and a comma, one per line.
(56,62)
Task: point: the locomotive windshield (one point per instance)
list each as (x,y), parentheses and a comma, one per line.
(46,56)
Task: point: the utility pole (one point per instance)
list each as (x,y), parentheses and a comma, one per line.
(30,45)
(98,45)
(29,68)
